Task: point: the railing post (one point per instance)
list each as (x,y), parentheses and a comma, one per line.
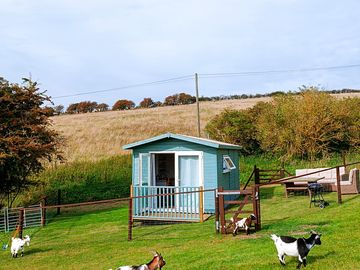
(222,211)
(338,185)
(130,225)
(201,204)
(21,222)
(217,228)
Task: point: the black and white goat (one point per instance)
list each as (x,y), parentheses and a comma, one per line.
(244,223)
(18,244)
(156,263)
(300,247)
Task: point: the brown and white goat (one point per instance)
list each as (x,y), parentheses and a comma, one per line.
(244,223)
(156,263)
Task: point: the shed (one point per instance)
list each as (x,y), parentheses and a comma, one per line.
(173,163)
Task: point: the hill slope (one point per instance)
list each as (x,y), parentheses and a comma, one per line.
(94,136)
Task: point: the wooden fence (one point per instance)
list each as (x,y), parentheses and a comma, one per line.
(252,197)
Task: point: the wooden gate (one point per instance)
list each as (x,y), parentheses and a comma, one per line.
(248,196)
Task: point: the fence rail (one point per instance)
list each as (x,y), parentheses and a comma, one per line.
(9,217)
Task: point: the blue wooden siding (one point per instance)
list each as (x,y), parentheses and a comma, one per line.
(212,165)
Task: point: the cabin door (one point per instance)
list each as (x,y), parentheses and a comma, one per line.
(188,177)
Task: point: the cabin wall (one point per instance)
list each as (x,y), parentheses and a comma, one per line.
(229,180)
(212,165)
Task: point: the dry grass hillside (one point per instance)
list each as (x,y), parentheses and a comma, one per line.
(94,136)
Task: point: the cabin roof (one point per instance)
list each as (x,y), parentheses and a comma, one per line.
(186,138)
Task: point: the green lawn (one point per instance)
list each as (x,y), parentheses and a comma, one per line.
(98,240)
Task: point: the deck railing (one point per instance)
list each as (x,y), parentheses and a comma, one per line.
(167,203)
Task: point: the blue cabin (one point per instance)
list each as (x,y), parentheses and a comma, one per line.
(170,170)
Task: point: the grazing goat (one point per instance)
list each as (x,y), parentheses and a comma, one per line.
(244,223)
(291,246)
(18,244)
(156,263)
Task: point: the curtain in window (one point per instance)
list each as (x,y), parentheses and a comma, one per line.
(189,171)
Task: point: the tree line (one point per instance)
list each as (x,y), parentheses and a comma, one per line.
(172,100)
(310,125)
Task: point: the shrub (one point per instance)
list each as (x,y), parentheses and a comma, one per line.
(234,126)
(123,104)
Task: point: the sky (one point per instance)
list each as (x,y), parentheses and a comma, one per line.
(73,47)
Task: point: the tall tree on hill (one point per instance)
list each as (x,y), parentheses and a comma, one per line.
(179,99)
(102,107)
(73,108)
(147,103)
(123,104)
(26,139)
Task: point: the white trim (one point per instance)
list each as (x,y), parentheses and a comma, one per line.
(140,168)
(201,165)
(229,164)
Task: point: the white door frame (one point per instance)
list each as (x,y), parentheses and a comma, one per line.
(200,154)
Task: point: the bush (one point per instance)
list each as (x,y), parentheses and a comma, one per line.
(234,126)
(309,125)
(84,181)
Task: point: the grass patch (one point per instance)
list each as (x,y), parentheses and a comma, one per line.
(98,239)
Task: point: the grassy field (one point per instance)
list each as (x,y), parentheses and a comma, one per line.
(98,240)
(93,136)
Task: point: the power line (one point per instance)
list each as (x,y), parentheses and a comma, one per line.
(249,73)
(212,75)
(176,79)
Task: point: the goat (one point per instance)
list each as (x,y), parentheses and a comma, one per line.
(244,223)
(287,245)
(18,244)
(156,263)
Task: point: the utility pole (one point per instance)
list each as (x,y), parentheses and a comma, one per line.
(197,103)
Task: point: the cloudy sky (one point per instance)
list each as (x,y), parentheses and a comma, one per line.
(72,47)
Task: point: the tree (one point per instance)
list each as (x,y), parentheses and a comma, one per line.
(179,99)
(73,108)
(26,139)
(147,103)
(123,104)
(102,107)
(59,109)
(237,127)
(86,106)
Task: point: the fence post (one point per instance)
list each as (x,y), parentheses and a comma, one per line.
(257,175)
(216,211)
(21,222)
(222,211)
(201,204)
(43,211)
(58,201)
(130,224)
(338,185)
(257,198)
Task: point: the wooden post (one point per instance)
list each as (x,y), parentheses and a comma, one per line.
(257,198)
(43,211)
(21,222)
(58,201)
(130,225)
(197,104)
(201,204)
(217,225)
(257,175)
(222,211)
(338,185)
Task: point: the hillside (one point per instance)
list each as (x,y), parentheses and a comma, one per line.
(94,136)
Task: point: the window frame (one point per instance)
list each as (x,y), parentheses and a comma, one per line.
(228,164)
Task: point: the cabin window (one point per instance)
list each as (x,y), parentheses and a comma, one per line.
(228,164)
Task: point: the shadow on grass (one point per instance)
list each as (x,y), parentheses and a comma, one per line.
(321,257)
(30,251)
